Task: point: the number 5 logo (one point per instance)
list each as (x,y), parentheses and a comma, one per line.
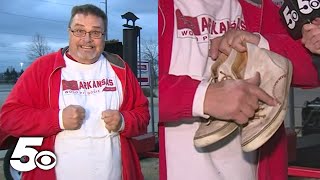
(44,159)
(290,17)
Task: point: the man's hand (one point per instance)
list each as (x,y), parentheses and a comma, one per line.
(72,117)
(112,119)
(311,36)
(232,39)
(235,100)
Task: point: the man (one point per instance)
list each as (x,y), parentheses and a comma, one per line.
(185,30)
(86,103)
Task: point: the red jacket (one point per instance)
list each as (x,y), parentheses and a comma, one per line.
(265,20)
(32,107)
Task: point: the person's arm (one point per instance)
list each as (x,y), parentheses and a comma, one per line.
(134,109)
(25,112)
(176,97)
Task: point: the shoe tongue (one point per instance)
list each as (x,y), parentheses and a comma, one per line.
(239,65)
(214,68)
(233,65)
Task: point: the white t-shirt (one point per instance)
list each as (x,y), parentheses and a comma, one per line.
(90,152)
(193,29)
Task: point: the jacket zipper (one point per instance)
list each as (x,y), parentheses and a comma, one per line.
(49,83)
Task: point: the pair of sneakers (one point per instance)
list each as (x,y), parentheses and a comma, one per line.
(275,72)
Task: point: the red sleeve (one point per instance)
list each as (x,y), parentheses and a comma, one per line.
(272,28)
(135,109)
(26,111)
(176,92)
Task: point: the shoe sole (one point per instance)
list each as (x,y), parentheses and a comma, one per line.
(211,138)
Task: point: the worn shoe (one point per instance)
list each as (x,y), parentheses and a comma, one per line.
(276,73)
(212,130)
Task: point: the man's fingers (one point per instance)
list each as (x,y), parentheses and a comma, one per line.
(239,47)
(263,96)
(308,27)
(108,127)
(253,102)
(214,47)
(247,110)
(240,118)
(80,108)
(239,44)
(316,21)
(315,37)
(110,117)
(107,113)
(258,92)
(225,47)
(255,80)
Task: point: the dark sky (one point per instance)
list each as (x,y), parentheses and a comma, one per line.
(22,19)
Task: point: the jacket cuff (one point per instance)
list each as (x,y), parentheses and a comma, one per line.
(60,119)
(122,123)
(198,100)
(263,43)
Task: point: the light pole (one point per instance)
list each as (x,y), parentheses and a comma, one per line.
(106,10)
(21,65)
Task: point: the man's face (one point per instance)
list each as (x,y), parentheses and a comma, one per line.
(86,49)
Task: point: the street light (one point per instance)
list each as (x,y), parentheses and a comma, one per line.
(106,9)
(21,65)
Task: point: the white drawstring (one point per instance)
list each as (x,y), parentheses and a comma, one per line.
(164,20)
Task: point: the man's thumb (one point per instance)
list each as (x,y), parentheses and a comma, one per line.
(107,113)
(256,79)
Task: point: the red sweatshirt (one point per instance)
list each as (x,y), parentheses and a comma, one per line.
(32,107)
(264,20)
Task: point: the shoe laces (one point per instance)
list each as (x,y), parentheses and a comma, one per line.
(257,115)
(208,121)
(214,77)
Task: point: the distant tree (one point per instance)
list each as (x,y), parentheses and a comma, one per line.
(7,75)
(112,40)
(149,52)
(21,72)
(14,75)
(114,46)
(11,75)
(38,47)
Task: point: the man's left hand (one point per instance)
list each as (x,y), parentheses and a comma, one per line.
(232,39)
(112,120)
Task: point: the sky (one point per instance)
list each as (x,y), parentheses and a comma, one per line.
(20,20)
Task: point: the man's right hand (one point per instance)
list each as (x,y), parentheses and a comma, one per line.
(235,100)
(72,117)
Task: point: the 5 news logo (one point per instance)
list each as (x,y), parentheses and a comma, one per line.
(296,13)
(26,158)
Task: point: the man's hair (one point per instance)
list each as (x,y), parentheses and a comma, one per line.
(88,9)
